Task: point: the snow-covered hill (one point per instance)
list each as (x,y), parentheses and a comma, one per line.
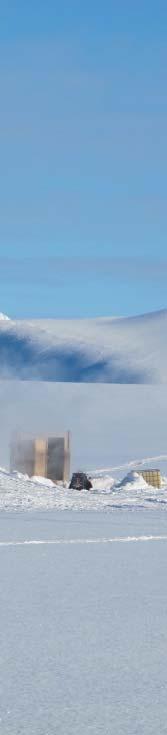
(18,492)
(119,350)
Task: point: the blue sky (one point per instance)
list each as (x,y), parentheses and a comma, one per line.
(83,151)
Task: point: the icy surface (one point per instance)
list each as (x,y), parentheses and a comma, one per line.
(20,492)
(83,643)
(121,350)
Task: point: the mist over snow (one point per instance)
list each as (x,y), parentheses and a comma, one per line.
(110,425)
(121,350)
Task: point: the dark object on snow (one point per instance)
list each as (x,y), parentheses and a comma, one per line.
(80,481)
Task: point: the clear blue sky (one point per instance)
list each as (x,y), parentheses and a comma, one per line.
(83,157)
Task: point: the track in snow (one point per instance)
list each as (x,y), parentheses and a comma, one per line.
(67,542)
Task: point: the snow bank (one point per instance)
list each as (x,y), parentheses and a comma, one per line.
(42,481)
(103,483)
(133,481)
(18,492)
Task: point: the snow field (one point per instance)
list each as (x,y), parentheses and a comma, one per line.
(83,623)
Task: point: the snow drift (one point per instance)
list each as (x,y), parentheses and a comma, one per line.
(123,350)
(19,492)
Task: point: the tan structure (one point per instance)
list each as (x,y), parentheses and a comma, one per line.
(40,457)
(152,477)
(44,457)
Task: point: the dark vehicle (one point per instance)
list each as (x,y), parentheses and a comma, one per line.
(80,481)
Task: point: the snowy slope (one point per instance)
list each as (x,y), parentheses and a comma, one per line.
(123,350)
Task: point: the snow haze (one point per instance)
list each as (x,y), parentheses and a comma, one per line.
(110,425)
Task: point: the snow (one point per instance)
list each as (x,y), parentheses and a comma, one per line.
(103,481)
(122,350)
(83,574)
(42,481)
(18,492)
(3,317)
(83,623)
(133,481)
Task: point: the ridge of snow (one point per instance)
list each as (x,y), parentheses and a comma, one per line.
(18,492)
(37,479)
(105,350)
(133,480)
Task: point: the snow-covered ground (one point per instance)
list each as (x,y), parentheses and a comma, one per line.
(18,492)
(119,350)
(83,643)
(83,623)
